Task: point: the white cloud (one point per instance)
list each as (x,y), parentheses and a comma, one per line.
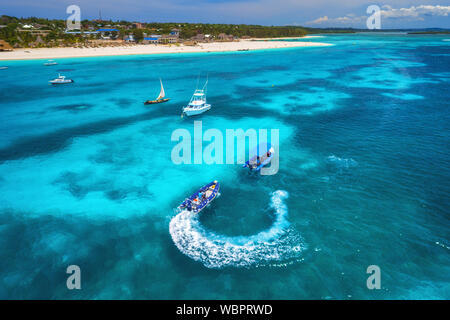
(349,20)
(320,20)
(387,12)
(414,12)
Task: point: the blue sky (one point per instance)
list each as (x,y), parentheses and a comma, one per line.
(313,13)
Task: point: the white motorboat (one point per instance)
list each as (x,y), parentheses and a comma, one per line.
(197,104)
(61,80)
(50,63)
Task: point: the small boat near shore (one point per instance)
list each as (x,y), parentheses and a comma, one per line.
(61,80)
(160,98)
(200,199)
(261,157)
(197,104)
(3,68)
(50,63)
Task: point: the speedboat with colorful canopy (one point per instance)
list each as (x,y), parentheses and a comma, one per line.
(197,104)
(260,157)
(200,199)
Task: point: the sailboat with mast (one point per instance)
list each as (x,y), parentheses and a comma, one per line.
(160,98)
(197,104)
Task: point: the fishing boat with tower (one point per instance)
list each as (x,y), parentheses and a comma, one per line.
(197,104)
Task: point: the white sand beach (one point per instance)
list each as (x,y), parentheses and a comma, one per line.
(52,53)
(284,38)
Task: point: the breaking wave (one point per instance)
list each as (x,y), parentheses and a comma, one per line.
(342,162)
(278,244)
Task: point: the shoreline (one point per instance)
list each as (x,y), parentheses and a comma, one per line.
(286,38)
(141,49)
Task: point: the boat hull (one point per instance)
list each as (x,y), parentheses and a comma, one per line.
(193,204)
(156,101)
(62,82)
(195,111)
(252,163)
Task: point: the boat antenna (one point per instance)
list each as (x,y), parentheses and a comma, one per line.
(198,79)
(204,87)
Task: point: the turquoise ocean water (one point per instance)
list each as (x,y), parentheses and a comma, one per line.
(86,176)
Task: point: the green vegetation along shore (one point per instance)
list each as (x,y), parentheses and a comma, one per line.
(40,32)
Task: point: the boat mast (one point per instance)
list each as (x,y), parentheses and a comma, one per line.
(198,79)
(205,88)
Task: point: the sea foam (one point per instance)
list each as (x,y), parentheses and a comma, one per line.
(279,243)
(342,162)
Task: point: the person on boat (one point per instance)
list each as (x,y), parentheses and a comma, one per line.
(268,154)
(258,161)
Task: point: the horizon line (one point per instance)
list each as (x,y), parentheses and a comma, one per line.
(235,24)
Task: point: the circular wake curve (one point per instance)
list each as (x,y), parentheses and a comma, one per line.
(279,243)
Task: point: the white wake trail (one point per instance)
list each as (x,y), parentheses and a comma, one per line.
(278,243)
